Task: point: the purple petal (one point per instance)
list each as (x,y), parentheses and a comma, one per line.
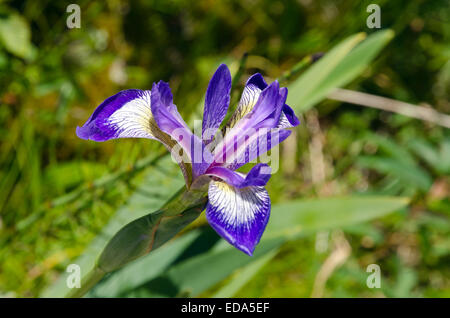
(252,90)
(238,215)
(265,114)
(170,122)
(288,118)
(128,114)
(257,147)
(257,80)
(247,148)
(259,175)
(267,110)
(273,109)
(164,111)
(124,115)
(216,102)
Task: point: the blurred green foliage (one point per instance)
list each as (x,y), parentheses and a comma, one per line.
(52,77)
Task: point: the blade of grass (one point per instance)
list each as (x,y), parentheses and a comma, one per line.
(336,69)
(303,90)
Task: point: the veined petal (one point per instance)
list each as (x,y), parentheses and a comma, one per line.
(128,114)
(164,110)
(217,101)
(170,121)
(252,90)
(238,215)
(265,114)
(267,110)
(124,115)
(247,147)
(288,118)
(259,175)
(255,147)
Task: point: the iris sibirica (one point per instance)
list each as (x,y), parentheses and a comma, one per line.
(238,205)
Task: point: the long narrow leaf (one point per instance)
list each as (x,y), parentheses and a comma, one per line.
(159,184)
(244,276)
(336,69)
(288,221)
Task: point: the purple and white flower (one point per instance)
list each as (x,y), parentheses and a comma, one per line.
(238,205)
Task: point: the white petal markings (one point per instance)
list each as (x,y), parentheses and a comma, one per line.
(238,215)
(248,100)
(134,119)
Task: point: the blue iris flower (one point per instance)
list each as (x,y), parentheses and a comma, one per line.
(238,205)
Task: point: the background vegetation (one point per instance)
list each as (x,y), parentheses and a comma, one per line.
(57,192)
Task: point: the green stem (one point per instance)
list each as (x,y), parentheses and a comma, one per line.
(89,281)
(146,234)
(239,72)
(300,66)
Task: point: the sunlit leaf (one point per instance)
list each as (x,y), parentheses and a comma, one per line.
(159,184)
(304,216)
(15,35)
(410,175)
(302,92)
(336,69)
(244,276)
(288,221)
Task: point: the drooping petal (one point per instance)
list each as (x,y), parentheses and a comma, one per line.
(170,121)
(217,101)
(238,215)
(259,175)
(128,114)
(125,115)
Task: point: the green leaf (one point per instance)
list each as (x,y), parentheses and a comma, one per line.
(405,281)
(288,221)
(336,69)
(425,150)
(411,175)
(69,174)
(159,184)
(436,158)
(303,90)
(144,235)
(159,261)
(195,275)
(301,217)
(15,35)
(245,275)
(391,148)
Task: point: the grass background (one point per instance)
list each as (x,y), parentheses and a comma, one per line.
(52,77)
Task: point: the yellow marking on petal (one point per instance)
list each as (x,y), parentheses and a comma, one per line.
(248,100)
(237,206)
(136,117)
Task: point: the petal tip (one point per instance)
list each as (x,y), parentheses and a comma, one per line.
(223,67)
(223,73)
(232,216)
(291,116)
(81,133)
(246,249)
(258,80)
